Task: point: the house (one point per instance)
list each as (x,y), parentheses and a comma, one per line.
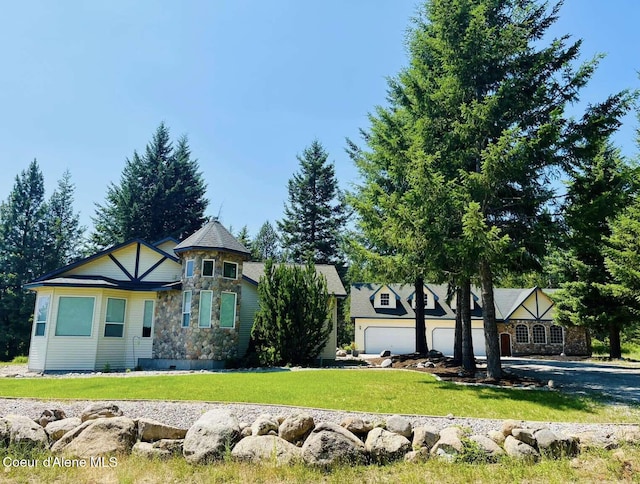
(183,305)
(384,319)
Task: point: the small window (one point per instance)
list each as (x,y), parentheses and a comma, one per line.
(555,335)
(539,334)
(186,309)
(208,266)
(188,270)
(522,334)
(114,323)
(384,299)
(75,316)
(42,313)
(230,270)
(147,320)
(204,312)
(228,309)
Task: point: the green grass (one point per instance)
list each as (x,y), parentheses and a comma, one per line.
(17,360)
(389,391)
(630,350)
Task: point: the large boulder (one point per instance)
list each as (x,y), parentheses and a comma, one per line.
(296,427)
(509,425)
(330,444)
(590,440)
(266,448)
(399,425)
(264,425)
(425,437)
(210,437)
(555,445)
(356,425)
(384,446)
(99,437)
(58,428)
(50,415)
(161,449)
(488,446)
(525,435)
(18,429)
(100,410)
(150,430)
(449,444)
(519,450)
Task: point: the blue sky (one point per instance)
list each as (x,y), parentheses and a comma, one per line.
(250,82)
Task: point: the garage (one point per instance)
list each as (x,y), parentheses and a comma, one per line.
(443,340)
(397,340)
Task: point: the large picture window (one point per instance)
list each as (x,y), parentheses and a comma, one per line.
(114,322)
(186,309)
(147,319)
(75,316)
(228,309)
(204,313)
(42,314)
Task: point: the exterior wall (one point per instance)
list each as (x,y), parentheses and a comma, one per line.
(38,346)
(329,351)
(248,311)
(171,340)
(577,341)
(531,348)
(537,306)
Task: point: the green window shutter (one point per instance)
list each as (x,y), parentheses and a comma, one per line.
(204,314)
(75,316)
(227,310)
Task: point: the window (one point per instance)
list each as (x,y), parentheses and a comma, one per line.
(208,266)
(522,334)
(204,313)
(228,309)
(539,334)
(114,325)
(188,270)
(555,335)
(147,319)
(42,313)
(230,270)
(186,309)
(384,299)
(75,316)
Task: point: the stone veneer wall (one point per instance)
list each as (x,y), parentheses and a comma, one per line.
(171,340)
(576,340)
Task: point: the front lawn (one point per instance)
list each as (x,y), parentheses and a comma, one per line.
(388,391)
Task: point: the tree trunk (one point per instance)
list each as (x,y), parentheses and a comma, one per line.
(464,309)
(492,345)
(421,330)
(615,350)
(457,339)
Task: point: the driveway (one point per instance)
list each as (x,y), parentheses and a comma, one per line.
(614,382)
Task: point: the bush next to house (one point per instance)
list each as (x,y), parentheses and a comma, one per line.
(292,323)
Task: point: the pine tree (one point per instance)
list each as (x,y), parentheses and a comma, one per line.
(243,237)
(266,244)
(314,216)
(160,194)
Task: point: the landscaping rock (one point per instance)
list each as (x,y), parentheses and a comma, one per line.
(385,353)
(629,434)
(56,429)
(589,440)
(151,430)
(399,425)
(100,410)
(425,437)
(519,450)
(385,446)
(487,445)
(330,444)
(18,429)
(509,425)
(356,425)
(259,448)
(98,437)
(210,436)
(161,449)
(555,445)
(386,363)
(264,425)
(52,415)
(449,443)
(525,435)
(497,436)
(296,427)
(417,456)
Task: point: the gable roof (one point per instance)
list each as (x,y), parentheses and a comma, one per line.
(253,271)
(373,295)
(212,236)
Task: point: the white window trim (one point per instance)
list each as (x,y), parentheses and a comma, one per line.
(386,302)
(235,307)
(193,268)
(184,294)
(213,272)
(153,311)
(544,333)
(528,335)
(230,262)
(200,310)
(113,323)
(45,322)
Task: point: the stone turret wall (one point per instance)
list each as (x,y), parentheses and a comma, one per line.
(576,340)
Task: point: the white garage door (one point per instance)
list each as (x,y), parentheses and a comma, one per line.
(399,341)
(443,341)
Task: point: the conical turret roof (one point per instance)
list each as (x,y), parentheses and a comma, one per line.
(212,236)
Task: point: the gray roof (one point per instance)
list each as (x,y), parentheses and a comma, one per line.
(506,300)
(253,271)
(212,236)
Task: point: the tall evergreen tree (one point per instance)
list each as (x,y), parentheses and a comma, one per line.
(243,237)
(479,112)
(266,244)
(314,216)
(160,194)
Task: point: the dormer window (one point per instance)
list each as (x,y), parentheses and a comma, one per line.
(384,299)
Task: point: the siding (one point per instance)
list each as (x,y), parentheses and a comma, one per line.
(329,351)
(529,309)
(248,308)
(38,345)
